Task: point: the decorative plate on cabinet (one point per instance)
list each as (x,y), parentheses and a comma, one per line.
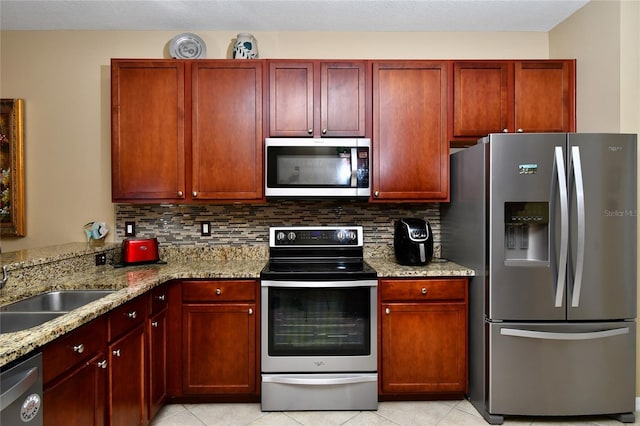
(187,46)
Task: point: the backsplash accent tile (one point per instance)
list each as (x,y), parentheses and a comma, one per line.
(248,224)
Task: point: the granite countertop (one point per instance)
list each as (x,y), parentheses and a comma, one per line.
(132,281)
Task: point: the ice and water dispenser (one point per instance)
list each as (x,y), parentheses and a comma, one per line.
(526,231)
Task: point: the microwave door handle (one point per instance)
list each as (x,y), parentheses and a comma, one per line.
(354,167)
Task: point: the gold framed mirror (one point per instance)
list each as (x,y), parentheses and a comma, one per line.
(12,214)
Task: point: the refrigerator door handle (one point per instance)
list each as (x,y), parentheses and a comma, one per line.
(575,169)
(531,334)
(559,176)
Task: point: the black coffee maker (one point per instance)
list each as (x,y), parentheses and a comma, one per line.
(413,242)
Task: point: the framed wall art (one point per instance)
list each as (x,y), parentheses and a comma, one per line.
(12,214)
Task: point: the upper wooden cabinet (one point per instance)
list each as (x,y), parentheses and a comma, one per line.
(184,131)
(511,96)
(410,146)
(147,130)
(318,99)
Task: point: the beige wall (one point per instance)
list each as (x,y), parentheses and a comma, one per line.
(604,37)
(64,78)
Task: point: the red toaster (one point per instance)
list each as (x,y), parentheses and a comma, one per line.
(140,250)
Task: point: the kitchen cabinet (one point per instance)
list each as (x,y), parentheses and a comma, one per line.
(220,338)
(126,360)
(410,146)
(511,96)
(75,377)
(423,337)
(148,130)
(185,131)
(157,343)
(318,98)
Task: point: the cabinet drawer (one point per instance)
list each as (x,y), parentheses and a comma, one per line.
(79,345)
(159,299)
(127,316)
(218,291)
(423,290)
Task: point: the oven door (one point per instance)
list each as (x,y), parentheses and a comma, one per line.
(319,326)
(317,167)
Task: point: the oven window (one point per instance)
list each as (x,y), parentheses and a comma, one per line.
(319,321)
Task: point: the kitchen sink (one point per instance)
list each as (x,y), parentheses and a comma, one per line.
(56,301)
(16,321)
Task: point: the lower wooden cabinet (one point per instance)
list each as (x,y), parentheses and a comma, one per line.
(75,377)
(126,354)
(219,338)
(423,337)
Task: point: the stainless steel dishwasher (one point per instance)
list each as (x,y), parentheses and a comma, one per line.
(21,393)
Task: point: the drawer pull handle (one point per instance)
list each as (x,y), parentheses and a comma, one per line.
(218,291)
(116,352)
(79,348)
(161,298)
(154,324)
(387,311)
(132,314)
(102,364)
(423,291)
(250,311)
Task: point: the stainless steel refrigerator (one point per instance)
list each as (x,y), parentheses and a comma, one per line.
(548,222)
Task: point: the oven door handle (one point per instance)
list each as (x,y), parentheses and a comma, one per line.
(319,284)
(326,381)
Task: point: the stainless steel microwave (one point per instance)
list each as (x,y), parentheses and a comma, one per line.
(317,167)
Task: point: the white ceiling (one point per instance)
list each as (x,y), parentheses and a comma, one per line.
(287,15)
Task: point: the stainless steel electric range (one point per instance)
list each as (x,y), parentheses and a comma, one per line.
(319,321)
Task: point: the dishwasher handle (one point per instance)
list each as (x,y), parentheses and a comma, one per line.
(16,390)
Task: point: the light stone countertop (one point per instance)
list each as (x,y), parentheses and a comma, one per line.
(132,281)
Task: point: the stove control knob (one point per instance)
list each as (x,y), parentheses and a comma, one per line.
(280,236)
(291,236)
(353,235)
(342,235)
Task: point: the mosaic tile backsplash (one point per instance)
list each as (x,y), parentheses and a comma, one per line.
(232,225)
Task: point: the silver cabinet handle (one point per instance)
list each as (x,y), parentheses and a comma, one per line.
(324,131)
(154,324)
(218,291)
(520,131)
(116,352)
(132,314)
(161,298)
(79,348)
(180,193)
(194,193)
(102,364)
(423,291)
(250,311)
(310,131)
(387,311)
(376,194)
(505,130)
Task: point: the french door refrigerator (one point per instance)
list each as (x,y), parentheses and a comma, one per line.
(548,222)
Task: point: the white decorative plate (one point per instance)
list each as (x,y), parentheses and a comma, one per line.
(187,46)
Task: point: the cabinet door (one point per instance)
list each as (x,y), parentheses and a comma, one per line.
(78,397)
(157,361)
(545,96)
(127,405)
(423,347)
(481,99)
(227,130)
(147,130)
(291,99)
(342,99)
(219,348)
(410,146)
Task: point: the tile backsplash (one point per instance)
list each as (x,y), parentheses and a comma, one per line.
(235,224)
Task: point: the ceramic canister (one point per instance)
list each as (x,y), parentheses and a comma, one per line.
(246,47)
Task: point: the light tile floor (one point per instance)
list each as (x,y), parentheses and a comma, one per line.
(442,413)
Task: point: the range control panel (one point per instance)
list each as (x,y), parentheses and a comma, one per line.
(328,236)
